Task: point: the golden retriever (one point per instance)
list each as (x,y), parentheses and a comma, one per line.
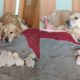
(66,21)
(12,27)
(73,25)
(9,32)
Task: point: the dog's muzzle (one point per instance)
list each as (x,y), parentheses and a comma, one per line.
(6,39)
(68,23)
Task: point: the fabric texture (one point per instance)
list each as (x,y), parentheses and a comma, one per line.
(19,45)
(57,61)
(33,38)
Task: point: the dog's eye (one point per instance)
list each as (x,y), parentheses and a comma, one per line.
(75,17)
(11,32)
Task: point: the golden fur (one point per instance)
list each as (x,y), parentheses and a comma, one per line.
(11,27)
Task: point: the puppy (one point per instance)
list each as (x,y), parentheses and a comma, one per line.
(30,62)
(73,25)
(9,32)
(18,61)
(10,60)
(3,57)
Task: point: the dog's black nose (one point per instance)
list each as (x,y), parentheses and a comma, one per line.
(68,22)
(7,39)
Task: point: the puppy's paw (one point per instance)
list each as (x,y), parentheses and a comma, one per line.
(78,60)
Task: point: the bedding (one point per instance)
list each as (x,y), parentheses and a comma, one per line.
(33,38)
(57,60)
(21,46)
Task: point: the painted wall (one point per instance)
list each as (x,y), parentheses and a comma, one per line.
(64,5)
(1,7)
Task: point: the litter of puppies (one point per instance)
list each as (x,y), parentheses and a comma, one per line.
(8,59)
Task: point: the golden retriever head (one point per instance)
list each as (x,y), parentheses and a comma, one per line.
(73,21)
(10,31)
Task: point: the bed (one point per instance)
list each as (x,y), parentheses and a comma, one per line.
(57,60)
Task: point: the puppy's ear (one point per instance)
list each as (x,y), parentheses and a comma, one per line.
(18,31)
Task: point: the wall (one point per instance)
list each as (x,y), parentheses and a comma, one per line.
(1,7)
(64,5)
(46,6)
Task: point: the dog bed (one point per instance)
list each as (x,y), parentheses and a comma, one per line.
(19,45)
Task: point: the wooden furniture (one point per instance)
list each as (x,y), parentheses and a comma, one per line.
(31,13)
(9,6)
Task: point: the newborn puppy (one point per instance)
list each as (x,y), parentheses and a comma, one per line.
(10,59)
(17,60)
(30,62)
(3,57)
(9,32)
(73,25)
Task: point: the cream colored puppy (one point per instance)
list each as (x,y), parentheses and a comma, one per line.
(30,62)
(10,60)
(10,32)
(3,58)
(17,60)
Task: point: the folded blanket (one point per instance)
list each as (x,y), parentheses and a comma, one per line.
(33,37)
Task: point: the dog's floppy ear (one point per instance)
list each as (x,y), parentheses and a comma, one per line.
(18,31)
(2,32)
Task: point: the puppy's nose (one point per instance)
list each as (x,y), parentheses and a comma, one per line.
(7,39)
(68,22)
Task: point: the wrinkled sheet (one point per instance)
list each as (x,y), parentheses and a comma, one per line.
(57,60)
